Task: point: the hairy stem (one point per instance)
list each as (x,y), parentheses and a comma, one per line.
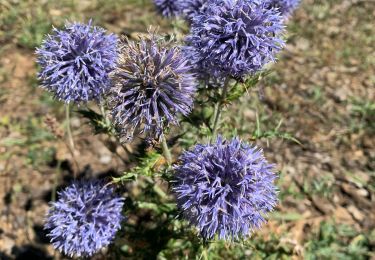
(104,114)
(70,143)
(68,128)
(218,108)
(56,181)
(113,133)
(167,153)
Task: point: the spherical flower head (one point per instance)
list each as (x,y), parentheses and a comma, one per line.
(200,72)
(286,7)
(152,85)
(85,218)
(190,8)
(225,188)
(75,62)
(234,38)
(168,8)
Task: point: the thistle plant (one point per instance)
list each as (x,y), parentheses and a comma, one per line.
(234,38)
(225,188)
(152,86)
(76,61)
(168,8)
(191,8)
(286,7)
(222,187)
(85,218)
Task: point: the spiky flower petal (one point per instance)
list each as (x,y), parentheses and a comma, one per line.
(85,218)
(234,38)
(152,85)
(225,188)
(168,8)
(286,7)
(75,62)
(190,8)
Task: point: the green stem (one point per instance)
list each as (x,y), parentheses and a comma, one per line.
(56,181)
(105,115)
(167,153)
(111,133)
(70,143)
(68,128)
(218,107)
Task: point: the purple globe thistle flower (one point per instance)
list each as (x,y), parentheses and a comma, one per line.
(168,8)
(190,8)
(197,67)
(75,62)
(234,38)
(152,85)
(85,218)
(225,188)
(286,7)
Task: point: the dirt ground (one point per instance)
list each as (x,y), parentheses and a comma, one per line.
(322,87)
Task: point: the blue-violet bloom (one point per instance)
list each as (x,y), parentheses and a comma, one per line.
(168,8)
(190,8)
(76,61)
(286,7)
(152,85)
(225,188)
(235,38)
(85,218)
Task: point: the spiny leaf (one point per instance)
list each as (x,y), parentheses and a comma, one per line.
(258,133)
(158,208)
(97,121)
(147,167)
(127,176)
(239,89)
